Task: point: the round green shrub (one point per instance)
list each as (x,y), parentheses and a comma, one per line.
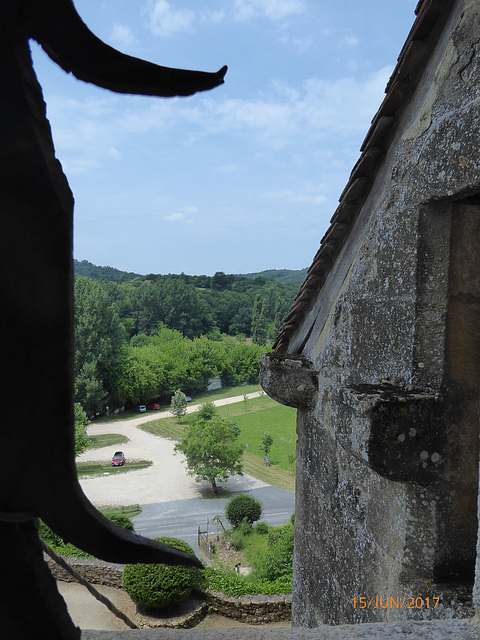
(242,506)
(155,586)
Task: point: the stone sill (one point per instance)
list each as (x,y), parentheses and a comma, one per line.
(428,630)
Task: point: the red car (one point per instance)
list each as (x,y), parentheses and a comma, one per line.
(153,406)
(118,459)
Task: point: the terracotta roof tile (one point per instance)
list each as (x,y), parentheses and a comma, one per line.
(406,74)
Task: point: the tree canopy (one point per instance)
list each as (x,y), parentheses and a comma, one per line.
(138,339)
(211,450)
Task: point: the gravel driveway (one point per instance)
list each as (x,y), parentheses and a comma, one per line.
(166,479)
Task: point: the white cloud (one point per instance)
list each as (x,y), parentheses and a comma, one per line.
(350,41)
(122,36)
(184,216)
(175,217)
(164,21)
(271,9)
(290,196)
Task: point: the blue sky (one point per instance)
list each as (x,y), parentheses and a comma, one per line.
(239,179)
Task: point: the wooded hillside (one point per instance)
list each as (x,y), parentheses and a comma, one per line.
(140,338)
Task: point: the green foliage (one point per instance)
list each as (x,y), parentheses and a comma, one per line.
(211,450)
(121,355)
(178,405)
(159,585)
(207,411)
(259,320)
(232,584)
(81,422)
(240,363)
(98,335)
(277,563)
(122,521)
(238,539)
(262,528)
(267,442)
(243,507)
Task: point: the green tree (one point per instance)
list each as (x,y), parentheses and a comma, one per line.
(267,442)
(178,405)
(259,320)
(90,389)
(207,411)
(80,421)
(98,336)
(211,450)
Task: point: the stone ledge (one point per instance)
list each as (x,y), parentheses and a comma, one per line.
(428,630)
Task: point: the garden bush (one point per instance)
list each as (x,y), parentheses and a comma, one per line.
(277,563)
(231,584)
(243,506)
(155,586)
(121,520)
(261,528)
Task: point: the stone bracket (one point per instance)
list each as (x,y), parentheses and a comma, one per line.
(291,380)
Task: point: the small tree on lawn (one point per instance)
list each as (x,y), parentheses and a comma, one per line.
(178,405)
(267,441)
(211,450)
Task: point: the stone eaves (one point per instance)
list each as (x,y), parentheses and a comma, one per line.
(430,15)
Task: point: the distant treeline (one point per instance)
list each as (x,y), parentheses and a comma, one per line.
(85,268)
(139,339)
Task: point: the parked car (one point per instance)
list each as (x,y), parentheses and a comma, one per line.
(153,406)
(188,398)
(141,408)
(118,459)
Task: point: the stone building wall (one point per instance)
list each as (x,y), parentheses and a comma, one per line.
(389,356)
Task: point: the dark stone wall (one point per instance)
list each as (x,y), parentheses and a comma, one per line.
(387,454)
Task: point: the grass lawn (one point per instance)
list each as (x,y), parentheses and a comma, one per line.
(254,417)
(102,468)
(131,510)
(106,440)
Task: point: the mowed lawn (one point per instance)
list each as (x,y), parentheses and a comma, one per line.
(254,418)
(279,422)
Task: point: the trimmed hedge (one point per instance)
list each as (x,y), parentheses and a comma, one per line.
(156,586)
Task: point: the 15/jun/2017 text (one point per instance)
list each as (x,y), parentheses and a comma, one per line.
(389,602)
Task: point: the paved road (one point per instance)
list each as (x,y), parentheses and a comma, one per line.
(181,518)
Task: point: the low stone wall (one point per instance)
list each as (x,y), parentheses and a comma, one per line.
(257,609)
(95,571)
